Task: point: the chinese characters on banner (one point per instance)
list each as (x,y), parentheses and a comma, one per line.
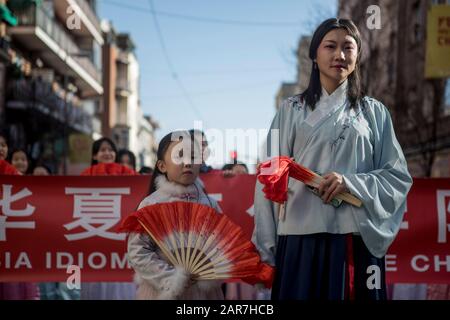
(50,223)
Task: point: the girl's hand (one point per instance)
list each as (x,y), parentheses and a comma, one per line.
(331,185)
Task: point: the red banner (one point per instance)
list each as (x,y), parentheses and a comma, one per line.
(50,223)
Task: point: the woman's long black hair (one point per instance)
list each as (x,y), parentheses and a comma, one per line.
(313,93)
(96,147)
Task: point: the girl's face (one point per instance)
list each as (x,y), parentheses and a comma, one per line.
(105,154)
(126,161)
(178,167)
(336,57)
(19,161)
(3,148)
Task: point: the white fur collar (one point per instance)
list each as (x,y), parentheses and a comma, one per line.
(172,189)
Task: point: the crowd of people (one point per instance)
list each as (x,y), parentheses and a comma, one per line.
(104,151)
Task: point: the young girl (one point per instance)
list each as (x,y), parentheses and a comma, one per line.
(322,250)
(5,167)
(174,179)
(20,161)
(104,153)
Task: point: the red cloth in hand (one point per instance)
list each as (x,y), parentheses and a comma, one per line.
(274,175)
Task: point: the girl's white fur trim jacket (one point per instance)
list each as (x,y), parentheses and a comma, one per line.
(156,278)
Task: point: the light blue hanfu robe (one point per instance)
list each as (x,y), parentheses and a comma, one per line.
(358,143)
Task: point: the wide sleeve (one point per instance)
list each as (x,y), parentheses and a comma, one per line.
(382,190)
(280,140)
(169,281)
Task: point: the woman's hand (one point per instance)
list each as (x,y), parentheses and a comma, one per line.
(331,185)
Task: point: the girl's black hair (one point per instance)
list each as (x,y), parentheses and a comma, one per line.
(96,148)
(313,93)
(130,154)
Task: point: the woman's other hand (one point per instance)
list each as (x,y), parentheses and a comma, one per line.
(331,185)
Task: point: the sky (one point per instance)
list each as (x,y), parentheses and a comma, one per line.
(215,61)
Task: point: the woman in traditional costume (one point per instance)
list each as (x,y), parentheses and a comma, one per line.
(323,249)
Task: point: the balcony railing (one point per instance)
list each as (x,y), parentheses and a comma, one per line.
(35,93)
(36,16)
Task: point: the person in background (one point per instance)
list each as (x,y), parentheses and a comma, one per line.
(20,160)
(41,170)
(5,167)
(146,170)
(104,153)
(126,158)
(3,147)
(233,169)
(201,138)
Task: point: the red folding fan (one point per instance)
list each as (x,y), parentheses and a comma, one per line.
(207,244)
(108,169)
(274,174)
(8,169)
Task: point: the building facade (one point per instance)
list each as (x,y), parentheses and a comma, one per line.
(53,78)
(123,119)
(393,71)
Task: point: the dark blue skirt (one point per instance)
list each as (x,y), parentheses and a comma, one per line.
(315,266)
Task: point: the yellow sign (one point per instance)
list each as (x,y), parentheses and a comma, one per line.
(80,148)
(437,63)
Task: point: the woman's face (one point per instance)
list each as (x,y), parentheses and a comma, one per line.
(3,148)
(336,56)
(177,167)
(20,162)
(105,154)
